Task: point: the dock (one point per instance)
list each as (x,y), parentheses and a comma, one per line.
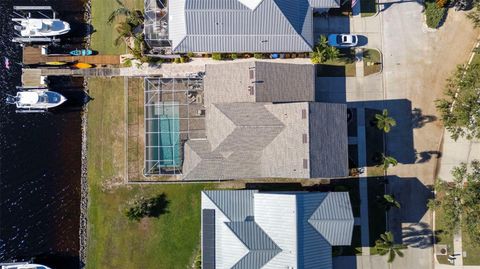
(33,55)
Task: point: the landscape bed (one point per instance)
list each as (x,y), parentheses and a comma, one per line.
(169,241)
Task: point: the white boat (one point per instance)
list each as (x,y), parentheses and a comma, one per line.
(36,99)
(42,27)
(22,265)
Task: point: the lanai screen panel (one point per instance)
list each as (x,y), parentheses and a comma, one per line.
(174,113)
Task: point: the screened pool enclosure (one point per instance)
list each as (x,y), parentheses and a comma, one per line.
(174,113)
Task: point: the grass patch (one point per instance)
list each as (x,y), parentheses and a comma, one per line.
(441,235)
(376,212)
(374,142)
(472,249)
(372,62)
(476,59)
(169,241)
(434,14)
(368,8)
(344,66)
(104,34)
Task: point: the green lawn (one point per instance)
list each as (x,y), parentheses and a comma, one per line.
(442,236)
(104,33)
(476,59)
(473,251)
(169,241)
(344,66)
(372,61)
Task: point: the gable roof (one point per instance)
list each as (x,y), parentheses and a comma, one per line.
(241,26)
(279,232)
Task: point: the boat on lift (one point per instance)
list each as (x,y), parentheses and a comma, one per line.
(30,27)
(22,265)
(35,100)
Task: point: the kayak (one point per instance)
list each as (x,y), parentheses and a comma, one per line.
(82,52)
(82,65)
(55,63)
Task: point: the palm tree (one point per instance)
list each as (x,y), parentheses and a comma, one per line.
(331,53)
(386,245)
(124,31)
(384,122)
(134,17)
(388,161)
(388,201)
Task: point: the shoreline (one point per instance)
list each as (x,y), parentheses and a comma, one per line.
(83,225)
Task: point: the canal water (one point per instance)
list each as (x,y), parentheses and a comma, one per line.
(40,158)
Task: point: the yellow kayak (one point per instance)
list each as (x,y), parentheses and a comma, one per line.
(55,63)
(82,65)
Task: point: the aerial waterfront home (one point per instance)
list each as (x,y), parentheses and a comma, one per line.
(235,26)
(251,229)
(262,121)
(251,120)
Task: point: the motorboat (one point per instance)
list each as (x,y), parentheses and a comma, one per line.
(82,52)
(36,100)
(42,27)
(22,265)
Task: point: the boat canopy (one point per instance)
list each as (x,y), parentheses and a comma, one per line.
(30,98)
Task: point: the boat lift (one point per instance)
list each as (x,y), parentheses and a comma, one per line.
(26,12)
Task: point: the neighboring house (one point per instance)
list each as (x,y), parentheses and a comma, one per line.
(247,229)
(262,121)
(235,26)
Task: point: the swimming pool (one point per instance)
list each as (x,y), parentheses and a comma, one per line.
(162,129)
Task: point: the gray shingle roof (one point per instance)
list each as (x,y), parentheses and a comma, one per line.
(275,82)
(230,26)
(313,241)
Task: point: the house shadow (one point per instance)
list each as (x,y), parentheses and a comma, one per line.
(413,197)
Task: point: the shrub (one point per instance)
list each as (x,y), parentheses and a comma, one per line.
(434,14)
(177,60)
(234,56)
(184,59)
(217,56)
(190,54)
(258,56)
(151,207)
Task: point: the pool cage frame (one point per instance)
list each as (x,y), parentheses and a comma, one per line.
(155,88)
(156,26)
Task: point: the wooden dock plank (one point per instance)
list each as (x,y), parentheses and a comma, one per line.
(33,55)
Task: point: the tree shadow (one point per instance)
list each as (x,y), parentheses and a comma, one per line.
(419,120)
(418,235)
(157,206)
(425,156)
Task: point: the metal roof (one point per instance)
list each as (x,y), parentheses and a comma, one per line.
(280,229)
(232,26)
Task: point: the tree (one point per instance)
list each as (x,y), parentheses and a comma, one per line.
(460,109)
(460,199)
(124,31)
(388,201)
(331,53)
(147,207)
(386,245)
(133,16)
(388,161)
(384,122)
(323,52)
(474,15)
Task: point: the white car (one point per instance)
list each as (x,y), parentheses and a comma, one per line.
(342,40)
